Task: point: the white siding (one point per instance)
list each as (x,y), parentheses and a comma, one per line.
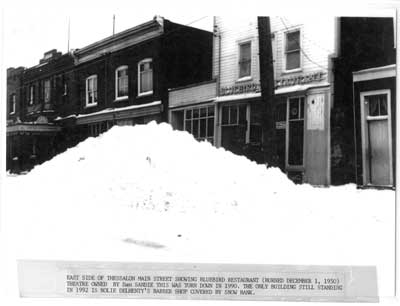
(233,31)
(316,41)
(192,95)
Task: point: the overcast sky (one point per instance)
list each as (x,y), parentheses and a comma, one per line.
(34,27)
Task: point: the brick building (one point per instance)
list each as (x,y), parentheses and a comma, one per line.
(122,79)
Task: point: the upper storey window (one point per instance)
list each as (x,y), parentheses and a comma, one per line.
(145,77)
(121,82)
(91,90)
(292,50)
(245,60)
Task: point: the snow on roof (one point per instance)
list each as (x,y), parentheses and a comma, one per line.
(119,109)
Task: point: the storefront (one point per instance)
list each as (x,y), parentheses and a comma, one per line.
(29,144)
(94,124)
(302,122)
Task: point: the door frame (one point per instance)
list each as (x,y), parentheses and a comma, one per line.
(365,144)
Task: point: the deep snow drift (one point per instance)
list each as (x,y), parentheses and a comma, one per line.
(148,193)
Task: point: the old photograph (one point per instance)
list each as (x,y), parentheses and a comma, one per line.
(203,142)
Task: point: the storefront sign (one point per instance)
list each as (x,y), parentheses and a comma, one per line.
(300,79)
(239,89)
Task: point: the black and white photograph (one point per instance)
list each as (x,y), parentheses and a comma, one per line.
(198,151)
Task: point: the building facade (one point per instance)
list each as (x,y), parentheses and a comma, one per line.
(364,113)
(120,80)
(300,100)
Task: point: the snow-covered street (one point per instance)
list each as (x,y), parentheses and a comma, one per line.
(148,193)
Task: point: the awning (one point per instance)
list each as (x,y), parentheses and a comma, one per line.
(127,112)
(32,128)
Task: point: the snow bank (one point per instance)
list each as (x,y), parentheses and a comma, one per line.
(148,193)
(154,167)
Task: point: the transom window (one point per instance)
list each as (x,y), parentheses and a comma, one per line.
(292,50)
(245,60)
(47,91)
(145,76)
(199,122)
(121,82)
(91,90)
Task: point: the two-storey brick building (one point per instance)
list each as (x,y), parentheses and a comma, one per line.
(122,79)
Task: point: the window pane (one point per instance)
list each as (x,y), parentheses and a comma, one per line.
(245,60)
(203,112)
(302,108)
(146,77)
(196,128)
(296,133)
(225,115)
(294,108)
(245,52)
(245,69)
(293,60)
(210,111)
(188,126)
(242,114)
(234,113)
(383,105)
(210,127)
(188,114)
(293,41)
(196,113)
(280,112)
(203,128)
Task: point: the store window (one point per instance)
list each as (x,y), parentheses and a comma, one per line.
(199,121)
(47,89)
(289,125)
(234,128)
(292,50)
(145,77)
(91,91)
(245,60)
(121,82)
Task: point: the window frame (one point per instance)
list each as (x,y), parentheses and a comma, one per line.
(47,95)
(124,97)
(31,94)
(288,166)
(13,104)
(149,92)
(210,139)
(285,52)
(87,104)
(249,76)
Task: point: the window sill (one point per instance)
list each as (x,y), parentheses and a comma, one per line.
(90,105)
(118,99)
(292,71)
(244,79)
(147,93)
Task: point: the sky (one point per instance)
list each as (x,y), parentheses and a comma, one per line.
(30,28)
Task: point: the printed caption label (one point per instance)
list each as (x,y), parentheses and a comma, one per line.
(196,281)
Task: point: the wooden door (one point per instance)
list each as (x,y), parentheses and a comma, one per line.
(377,146)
